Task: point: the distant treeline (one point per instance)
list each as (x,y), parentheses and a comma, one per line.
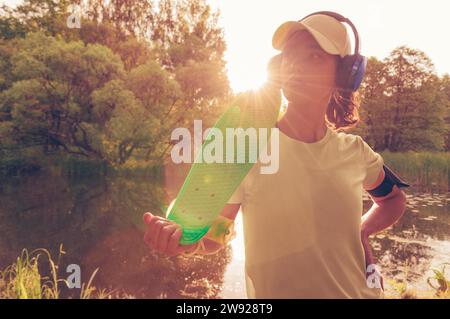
(405,106)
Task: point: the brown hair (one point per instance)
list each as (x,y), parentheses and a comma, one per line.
(342,112)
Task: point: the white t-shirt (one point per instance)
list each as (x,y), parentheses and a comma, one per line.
(302,224)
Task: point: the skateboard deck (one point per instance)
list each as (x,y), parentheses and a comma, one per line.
(208,186)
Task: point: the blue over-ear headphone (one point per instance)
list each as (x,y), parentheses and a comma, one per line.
(351,68)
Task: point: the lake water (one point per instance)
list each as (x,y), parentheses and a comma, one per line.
(98,221)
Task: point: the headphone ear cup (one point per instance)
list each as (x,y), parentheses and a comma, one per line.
(343,72)
(361,65)
(350,72)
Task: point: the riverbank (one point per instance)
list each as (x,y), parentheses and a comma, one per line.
(426,171)
(23,280)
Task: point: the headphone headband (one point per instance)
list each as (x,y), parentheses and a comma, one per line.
(340,18)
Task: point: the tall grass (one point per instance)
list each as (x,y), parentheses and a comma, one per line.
(426,171)
(439,286)
(22,279)
(442,284)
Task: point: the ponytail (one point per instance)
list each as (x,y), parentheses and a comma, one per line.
(342,112)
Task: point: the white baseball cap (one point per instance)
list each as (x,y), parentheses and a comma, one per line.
(330,34)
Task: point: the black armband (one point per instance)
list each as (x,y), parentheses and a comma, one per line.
(390,179)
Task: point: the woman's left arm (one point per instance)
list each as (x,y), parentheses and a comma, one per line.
(385,211)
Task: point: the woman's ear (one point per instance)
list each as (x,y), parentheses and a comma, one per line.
(274,70)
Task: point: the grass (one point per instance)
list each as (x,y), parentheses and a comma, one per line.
(442,284)
(439,286)
(22,279)
(427,171)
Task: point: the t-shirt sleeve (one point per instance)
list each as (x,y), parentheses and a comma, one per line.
(238,195)
(372,164)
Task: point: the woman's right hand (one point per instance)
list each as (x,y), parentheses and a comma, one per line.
(370,260)
(164,235)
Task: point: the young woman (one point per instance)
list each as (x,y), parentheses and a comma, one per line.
(305,235)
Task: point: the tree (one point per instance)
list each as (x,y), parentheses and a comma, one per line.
(132,51)
(74,97)
(188,42)
(445,91)
(374,109)
(403,107)
(128,17)
(122,124)
(48,16)
(70,90)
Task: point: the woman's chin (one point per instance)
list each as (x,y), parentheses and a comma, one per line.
(307,96)
(297,97)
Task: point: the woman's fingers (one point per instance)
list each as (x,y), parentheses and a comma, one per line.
(156,230)
(154,226)
(147,239)
(147,218)
(166,231)
(367,251)
(370,258)
(162,235)
(151,230)
(174,241)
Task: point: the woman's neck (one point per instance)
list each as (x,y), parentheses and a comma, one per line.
(307,128)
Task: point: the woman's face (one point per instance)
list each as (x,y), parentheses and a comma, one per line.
(308,72)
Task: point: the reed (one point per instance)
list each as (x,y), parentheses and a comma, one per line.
(22,279)
(426,171)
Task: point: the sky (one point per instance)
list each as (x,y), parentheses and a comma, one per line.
(383,25)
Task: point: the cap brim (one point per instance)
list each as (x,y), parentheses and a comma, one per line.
(287,29)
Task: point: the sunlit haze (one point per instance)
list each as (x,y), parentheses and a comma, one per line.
(383,25)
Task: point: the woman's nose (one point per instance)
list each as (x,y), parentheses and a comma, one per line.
(293,71)
(295,67)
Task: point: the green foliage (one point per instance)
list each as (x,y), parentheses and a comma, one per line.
(49,102)
(72,96)
(114,89)
(189,43)
(404,104)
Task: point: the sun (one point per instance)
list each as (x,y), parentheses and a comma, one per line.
(246,78)
(246,72)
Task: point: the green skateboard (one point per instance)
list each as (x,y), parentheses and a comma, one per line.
(208,186)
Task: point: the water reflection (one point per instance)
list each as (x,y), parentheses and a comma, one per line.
(418,243)
(98,220)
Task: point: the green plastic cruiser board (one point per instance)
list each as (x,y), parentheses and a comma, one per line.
(208,186)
